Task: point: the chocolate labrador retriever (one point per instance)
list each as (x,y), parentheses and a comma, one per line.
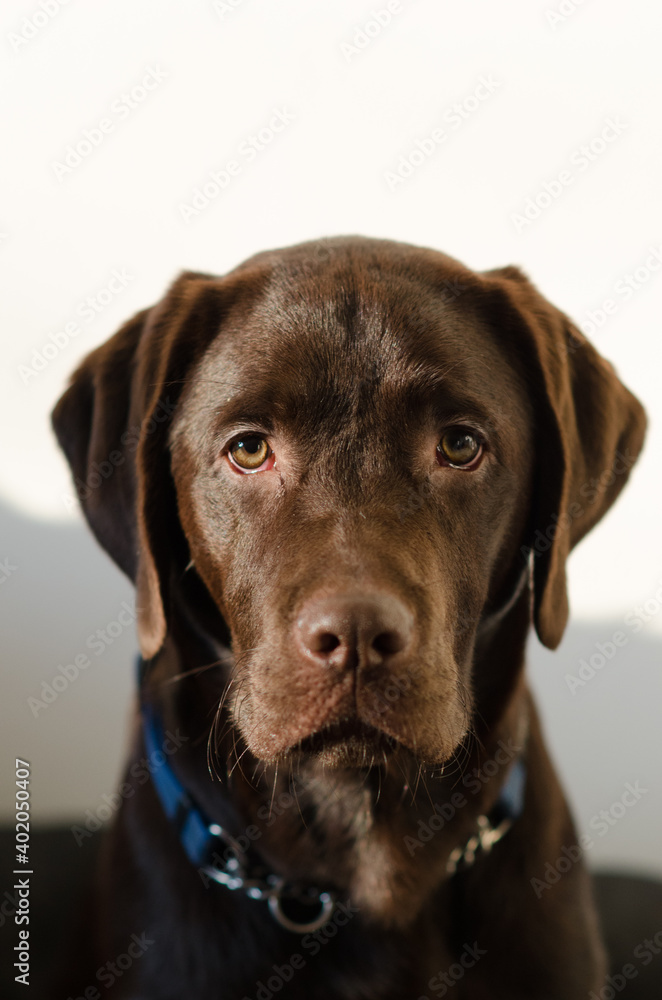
(345,479)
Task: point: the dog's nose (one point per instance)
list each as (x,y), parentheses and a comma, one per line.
(350,631)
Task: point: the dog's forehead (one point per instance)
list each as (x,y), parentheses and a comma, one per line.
(327,337)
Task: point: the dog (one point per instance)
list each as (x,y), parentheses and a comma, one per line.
(345,478)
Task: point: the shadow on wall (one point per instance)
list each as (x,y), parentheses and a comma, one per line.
(69,649)
(68,652)
(599,695)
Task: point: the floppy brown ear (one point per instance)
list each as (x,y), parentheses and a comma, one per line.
(113,423)
(589,434)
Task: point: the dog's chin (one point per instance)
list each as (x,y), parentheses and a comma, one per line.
(346,744)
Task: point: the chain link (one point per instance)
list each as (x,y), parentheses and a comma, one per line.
(484,840)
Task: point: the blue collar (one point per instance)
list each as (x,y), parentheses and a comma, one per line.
(220,857)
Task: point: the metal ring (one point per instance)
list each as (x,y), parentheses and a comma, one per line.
(326,903)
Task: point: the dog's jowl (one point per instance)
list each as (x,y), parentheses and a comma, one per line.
(345,496)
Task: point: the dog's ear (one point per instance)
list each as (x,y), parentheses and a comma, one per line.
(113,423)
(590,430)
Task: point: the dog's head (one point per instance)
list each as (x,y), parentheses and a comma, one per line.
(363,450)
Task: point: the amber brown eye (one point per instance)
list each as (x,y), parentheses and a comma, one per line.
(249,453)
(459,448)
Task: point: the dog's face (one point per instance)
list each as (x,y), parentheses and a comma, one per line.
(361,453)
(353,465)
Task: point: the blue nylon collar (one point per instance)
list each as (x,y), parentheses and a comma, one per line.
(196,832)
(218,856)
(200,837)
(510,804)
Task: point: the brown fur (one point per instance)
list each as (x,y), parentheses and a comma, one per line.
(351,367)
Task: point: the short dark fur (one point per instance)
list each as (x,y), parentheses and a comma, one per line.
(351,356)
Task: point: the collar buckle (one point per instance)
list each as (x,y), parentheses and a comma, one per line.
(232,873)
(275,890)
(507,810)
(483,841)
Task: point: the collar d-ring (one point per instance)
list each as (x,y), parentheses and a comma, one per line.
(324,901)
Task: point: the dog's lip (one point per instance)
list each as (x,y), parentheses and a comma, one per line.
(347,733)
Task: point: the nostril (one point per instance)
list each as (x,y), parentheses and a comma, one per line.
(325,642)
(388,643)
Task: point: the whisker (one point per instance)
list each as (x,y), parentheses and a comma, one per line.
(193,672)
(273,793)
(296,797)
(236,763)
(426,789)
(418,778)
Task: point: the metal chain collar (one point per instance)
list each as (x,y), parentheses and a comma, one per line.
(275,890)
(464,857)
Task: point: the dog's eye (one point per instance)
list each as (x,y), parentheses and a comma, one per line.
(250,453)
(459,448)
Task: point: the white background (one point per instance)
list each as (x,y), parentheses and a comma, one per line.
(357,108)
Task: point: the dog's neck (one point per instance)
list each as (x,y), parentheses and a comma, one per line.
(381,836)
